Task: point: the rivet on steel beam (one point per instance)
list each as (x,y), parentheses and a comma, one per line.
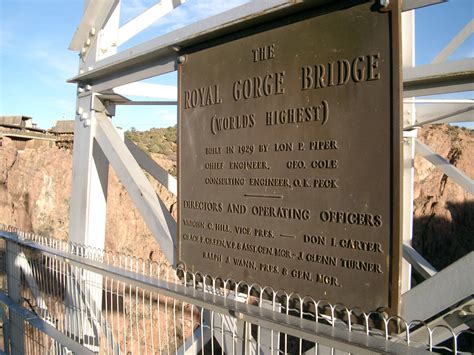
(84,116)
(80,89)
(87,122)
(79,111)
(92,32)
(88,87)
(88,42)
(83,50)
(384,3)
(176,48)
(239,316)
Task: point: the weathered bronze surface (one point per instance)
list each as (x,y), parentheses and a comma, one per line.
(288,157)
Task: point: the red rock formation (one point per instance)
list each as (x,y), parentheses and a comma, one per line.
(35,187)
(443,226)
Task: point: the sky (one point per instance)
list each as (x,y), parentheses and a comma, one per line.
(35,62)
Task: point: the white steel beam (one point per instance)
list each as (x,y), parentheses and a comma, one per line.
(156,91)
(150,166)
(153,211)
(107,38)
(16,324)
(427,114)
(147,18)
(445,289)
(141,71)
(446,167)
(439,78)
(94,17)
(87,212)
(307,329)
(89,179)
(193,344)
(249,14)
(455,43)
(27,316)
(419,263)
(456,319)
(408,5)
(408,59)
(33,286)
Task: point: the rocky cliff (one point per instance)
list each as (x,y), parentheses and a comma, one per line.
(443,224)
(35,189)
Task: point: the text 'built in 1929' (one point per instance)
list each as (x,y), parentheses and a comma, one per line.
(289,150)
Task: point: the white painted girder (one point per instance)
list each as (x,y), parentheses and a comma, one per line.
(439,78)
(426,114)
(445,289)
(87,212)
(445,166)
(162,47)
(150,166)
(156,91)
(154,212)
(145,19)
(419,263)
(95,15)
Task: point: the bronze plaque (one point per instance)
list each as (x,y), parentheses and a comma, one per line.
(289,151)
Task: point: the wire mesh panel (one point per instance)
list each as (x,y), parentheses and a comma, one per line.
(150,308)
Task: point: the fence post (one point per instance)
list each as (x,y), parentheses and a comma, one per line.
(5,330)
(16,325)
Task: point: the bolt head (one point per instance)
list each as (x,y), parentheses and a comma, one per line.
(239,316)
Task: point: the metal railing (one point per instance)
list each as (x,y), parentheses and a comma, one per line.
(146,308)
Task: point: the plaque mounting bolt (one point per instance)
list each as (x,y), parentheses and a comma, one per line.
(182,59)
(239,316)
(384,3)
